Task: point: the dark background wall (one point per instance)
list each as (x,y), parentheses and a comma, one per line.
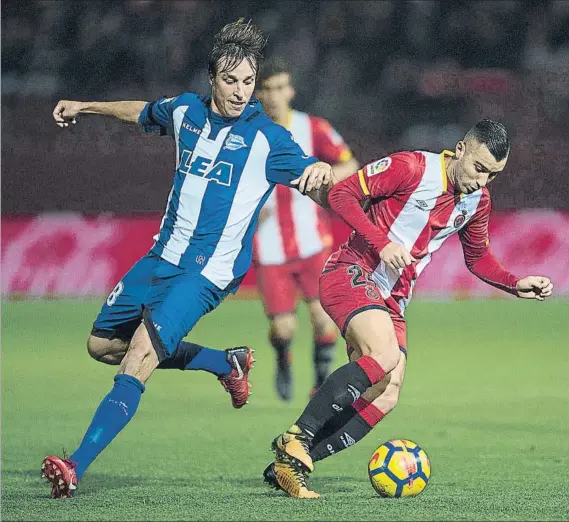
(389,75)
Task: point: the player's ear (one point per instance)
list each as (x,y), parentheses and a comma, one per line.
(459,149)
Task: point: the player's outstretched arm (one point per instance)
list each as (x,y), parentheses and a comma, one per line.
(66,111)
(482,263)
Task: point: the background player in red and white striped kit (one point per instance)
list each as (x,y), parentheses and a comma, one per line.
(416,201)
(293,238)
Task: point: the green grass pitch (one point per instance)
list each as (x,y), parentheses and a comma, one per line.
(486,394)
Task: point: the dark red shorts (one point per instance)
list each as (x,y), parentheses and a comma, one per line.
(348,289)
(278,284)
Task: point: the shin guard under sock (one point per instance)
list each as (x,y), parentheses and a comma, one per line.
(340,390)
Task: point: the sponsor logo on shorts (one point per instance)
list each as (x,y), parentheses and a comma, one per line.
(330,449)
(157,326)
(336,407)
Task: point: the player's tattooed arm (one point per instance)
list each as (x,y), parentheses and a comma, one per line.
(66,111)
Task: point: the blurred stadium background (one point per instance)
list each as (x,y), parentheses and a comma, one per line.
(389,75)
(80,206)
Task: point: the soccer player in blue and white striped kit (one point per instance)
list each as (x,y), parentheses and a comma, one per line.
(229,157)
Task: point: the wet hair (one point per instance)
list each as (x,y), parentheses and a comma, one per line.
(273,66)
(236,42)
(492,134)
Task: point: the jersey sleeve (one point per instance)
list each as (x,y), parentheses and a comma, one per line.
(157,115)
(328,145)
(286,160)
(397,173)
(479,259)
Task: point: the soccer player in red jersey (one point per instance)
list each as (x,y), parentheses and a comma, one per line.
(293,239)
(414,200)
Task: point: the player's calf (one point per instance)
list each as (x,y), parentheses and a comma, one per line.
(378,355)
(281,333)
(355,422)
(372,335)
(325,335)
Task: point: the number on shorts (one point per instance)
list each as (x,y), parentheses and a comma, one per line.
(113,296)
(361,279)
(358,277)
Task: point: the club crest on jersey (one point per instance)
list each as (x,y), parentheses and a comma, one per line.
(234,142)
(379,166)
(460,219)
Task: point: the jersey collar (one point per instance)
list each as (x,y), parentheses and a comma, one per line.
(447,184)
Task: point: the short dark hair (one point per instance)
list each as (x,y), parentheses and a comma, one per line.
(492,134)
(236,42)
(273,66)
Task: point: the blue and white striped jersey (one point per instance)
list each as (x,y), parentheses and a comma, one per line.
(226,168)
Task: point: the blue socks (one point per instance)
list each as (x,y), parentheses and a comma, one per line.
(190,356)
(112,415)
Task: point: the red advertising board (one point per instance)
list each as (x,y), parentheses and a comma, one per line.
(73,255)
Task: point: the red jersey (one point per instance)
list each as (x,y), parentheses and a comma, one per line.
(413,204)
(297,228)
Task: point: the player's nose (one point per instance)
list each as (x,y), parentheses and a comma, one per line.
(239,91)
(482,181)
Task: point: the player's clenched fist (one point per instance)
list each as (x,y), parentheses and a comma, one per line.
(313,177)
(396,256)
(65,112)
(534,287)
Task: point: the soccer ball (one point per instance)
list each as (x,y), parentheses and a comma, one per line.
(399,468)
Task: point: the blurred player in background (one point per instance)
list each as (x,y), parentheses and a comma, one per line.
(229,157)
(293,239)
(418,200)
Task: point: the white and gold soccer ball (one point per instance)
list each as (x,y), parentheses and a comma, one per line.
(399,468)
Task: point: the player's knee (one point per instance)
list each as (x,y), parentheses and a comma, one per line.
(97,347)
(283,327)
(373,333)
(108,351)
(385,351)
(321,322)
